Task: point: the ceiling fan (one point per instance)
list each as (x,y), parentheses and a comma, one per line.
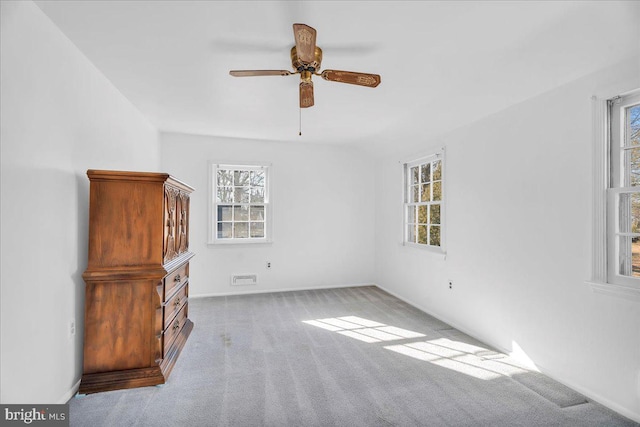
(306,58)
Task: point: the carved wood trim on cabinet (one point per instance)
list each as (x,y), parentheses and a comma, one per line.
(137,279)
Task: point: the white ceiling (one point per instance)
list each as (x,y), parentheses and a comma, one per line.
(443,64)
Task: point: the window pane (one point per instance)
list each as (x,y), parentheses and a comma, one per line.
(416,194)
(629,209)
(425,194)
(635,213)
(425,172)
(435,214)
(633,125)
(415,175)
(411,214)
(241,213)
(411,233)
(631,168)
(635,256)
(241,195)
(257,195)
(629,251)
(241,230)
(257,213)
(423,235)
(437,170)
(225,177)
(437,190)
(434,235)
(423,214)
(240,178)
(224,230)
(225,194)
(257,229)
(257,178)
(225,213)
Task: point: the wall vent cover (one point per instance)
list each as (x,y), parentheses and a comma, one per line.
(244,279)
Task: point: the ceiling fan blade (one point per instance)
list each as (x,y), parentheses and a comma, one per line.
(306,94)
(351,77)
(305,42)
(252,73)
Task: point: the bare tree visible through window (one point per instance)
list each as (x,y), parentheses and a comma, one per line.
(240,204)
(632,178)
(624,190)
(423,202)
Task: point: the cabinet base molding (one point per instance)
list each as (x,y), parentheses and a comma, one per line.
(114,380)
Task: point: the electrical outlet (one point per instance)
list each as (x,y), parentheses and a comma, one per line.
(450,284)
(72,328)
(268,264)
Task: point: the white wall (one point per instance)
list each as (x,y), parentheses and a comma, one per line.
(323,216)
(60,117)
(518,222)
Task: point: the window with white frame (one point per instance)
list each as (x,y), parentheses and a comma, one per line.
(240,210)
(423,201)
(623,193)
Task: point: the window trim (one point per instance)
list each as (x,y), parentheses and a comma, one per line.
(212,238)
(601,142)
(406,165)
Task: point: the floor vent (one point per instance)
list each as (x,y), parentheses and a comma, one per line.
(244,279)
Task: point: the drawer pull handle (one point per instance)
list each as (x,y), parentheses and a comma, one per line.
(177,278)
(176,325)
(177,302)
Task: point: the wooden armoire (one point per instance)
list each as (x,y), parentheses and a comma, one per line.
(137,279)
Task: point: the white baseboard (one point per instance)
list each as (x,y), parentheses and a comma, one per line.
(589,394)
(275,290)
(69,394)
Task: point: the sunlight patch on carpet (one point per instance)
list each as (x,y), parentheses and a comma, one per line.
(365,330)
(463,357)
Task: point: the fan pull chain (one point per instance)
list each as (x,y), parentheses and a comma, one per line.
(300,122)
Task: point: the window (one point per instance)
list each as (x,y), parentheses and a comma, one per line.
(423,201)
(240,210)
(623,194)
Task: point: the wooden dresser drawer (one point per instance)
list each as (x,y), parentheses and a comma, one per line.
(173,330)
(175,304)
(175,279)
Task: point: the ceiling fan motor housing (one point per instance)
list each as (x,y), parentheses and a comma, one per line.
(302,66)
(306,58)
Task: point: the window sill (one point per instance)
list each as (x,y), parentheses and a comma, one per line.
(620,291)
(238,242)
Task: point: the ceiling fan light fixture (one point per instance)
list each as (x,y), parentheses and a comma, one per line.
(306,58)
